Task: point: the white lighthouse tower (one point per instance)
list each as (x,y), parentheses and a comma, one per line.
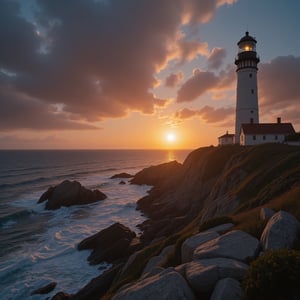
(246,97)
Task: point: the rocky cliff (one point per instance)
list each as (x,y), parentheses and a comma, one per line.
(207,220)
(216,181)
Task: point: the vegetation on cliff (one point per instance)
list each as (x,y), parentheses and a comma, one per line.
(214,185)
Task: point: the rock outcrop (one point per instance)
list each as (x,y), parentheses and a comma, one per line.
(121,175)
(157,175)
(110,244)
(98,286)
(69,193)
(215,181)
(45,289)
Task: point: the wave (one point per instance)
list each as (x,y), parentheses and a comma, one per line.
(13,217)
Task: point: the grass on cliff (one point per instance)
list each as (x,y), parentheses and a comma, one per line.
(267,171)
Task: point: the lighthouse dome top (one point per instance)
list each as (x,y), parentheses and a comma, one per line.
(247,38)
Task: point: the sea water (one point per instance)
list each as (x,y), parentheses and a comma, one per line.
(39,246)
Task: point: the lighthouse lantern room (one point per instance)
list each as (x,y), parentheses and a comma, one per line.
(247,96)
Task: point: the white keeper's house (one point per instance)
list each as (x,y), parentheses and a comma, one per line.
(248,130)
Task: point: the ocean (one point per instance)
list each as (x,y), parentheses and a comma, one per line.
(39,246)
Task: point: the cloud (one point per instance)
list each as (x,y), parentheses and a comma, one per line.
(187,50)
(216,58)
(208,113)
(19,111)
(173,79)
(279,81)
(278,87)
(95,58)
(195,86)
(203,81)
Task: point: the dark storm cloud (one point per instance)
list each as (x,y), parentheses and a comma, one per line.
(95,58)
(18,111)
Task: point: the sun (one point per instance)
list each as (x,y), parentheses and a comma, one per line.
(170,137)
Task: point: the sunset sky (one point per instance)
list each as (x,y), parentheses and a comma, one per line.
(139,74)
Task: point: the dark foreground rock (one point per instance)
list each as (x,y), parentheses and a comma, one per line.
(69,193)
(45,289)
(110,244)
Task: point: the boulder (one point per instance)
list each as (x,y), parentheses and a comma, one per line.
(121,175)
(266,213)
(158,261)
(227,289)
(221,228)
(163,286)
(98,286)
(202,275)
(122,182)
(280,232)
(157,175)
(235,244)
(45,289)
(110,244)
(189,245)
(69,193)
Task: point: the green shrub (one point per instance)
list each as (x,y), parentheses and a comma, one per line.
(274,276)
(215,222)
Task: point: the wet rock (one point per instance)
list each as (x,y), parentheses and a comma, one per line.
(98,286)
(121,175)
(69,193)
(110,244)
(45,289)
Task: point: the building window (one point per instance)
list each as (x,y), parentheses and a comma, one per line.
(254,137)
(252,91)
(264,137)
(276,137)
(251,111)
(250,75)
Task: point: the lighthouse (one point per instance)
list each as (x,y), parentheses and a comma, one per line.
(246,96)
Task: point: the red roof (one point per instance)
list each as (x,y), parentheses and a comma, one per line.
(268,128)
